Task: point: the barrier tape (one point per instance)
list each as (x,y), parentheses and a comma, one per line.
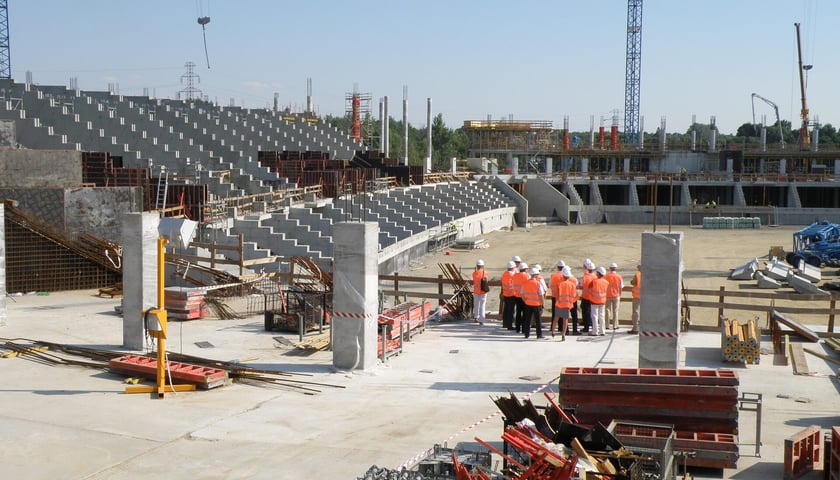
(354,315)
(659,334)
(412,461)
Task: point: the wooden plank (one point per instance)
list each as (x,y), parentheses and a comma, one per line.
(823,356)
(797,356)
(762,295)
(797,327)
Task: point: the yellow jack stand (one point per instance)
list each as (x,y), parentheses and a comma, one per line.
(160,334)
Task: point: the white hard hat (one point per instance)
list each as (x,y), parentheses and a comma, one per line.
(638,263)
(613,266)
(561,263)
(533,271)
(566,272)
(479,263)
(516,258)
(511,264)
(589,265)
(523,266)
(538,267)
(586,262)
(601,270)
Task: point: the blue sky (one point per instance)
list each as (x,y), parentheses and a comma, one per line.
(535,60)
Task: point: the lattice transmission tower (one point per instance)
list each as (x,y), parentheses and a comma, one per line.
(633,77)
(5,56)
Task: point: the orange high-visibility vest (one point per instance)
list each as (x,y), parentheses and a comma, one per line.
(598,291)
(567,292)
(586,285)
(616,282)
(477,275)
(518,280)
(556,278)
(637,285)
(531,293)
(507,283)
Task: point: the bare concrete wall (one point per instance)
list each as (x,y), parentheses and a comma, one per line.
(23,168)
(97,211)
(8,138)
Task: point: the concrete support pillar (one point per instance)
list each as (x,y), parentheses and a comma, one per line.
(454,167)
(584,166)
(659,335)
(2,265)
(783,167)
(549,166)
(625,166)
(514,165)
(139,241)
(510,161)
(836,168)
(355,280)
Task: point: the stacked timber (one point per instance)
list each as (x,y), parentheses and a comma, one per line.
(185,303)
(740,342)
(698,403)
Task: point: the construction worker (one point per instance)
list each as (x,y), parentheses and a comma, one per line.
(508,295)
(480,289)
(585,291)
(566,293)
(597,301)
(573,309)
(554,283)
(636,282)
(518,280)
(533,295)
(540,278)
(613,295)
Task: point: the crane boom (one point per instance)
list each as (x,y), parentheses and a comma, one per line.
(775,109)
(804,135)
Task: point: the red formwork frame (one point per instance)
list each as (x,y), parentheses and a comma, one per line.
(802,452)
(834,464)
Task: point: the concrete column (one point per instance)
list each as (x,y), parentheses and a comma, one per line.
(139,241)
(625,167)
(659,335)
(836,168)
(514,165)
(355,280)
(783,167)
(2,265)
(584,166)
(454,166)
(549,166)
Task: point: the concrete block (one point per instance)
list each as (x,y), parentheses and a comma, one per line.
(355,298)
(803,285)
(745,271)
(766,282)
(659,333)
(777,271)
(809,272)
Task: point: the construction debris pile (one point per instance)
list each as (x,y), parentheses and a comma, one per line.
(803,277)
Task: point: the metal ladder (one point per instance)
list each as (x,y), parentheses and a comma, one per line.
(162,187)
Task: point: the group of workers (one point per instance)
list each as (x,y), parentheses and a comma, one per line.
(524,291)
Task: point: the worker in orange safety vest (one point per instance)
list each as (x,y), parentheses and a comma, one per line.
(613,295)
(597,300)
(480,288)
(566,293)
(636,283)
(508,295)
(533,295)
(518,280)
(585,294)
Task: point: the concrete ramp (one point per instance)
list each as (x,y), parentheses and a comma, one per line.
(802,285)
(777,271)
(766,282)
(809,272)
(745,271)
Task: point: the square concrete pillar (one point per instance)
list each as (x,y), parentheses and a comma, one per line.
(513,164)
(139,241)
(355,301)
(625,166)
(549,166)
(2,264)
(659,311)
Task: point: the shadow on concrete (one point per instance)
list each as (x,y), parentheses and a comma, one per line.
(485,387)
(708,357)
(824,422)
(759,470)
(292,368)
(704,273)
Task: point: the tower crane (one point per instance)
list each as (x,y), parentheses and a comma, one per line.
(775,109)
(804,135)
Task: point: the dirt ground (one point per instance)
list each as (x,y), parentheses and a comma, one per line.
(708,258)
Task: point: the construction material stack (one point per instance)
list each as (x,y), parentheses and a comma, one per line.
(185,303)
(740,342)
(700,404)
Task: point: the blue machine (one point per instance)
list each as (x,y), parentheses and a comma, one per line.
(817,244)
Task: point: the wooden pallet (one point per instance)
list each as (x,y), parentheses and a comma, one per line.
(316,342)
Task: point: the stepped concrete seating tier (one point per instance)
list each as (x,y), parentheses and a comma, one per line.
(282,222)
(250,226)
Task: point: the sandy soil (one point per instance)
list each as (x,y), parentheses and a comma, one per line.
(708,257)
